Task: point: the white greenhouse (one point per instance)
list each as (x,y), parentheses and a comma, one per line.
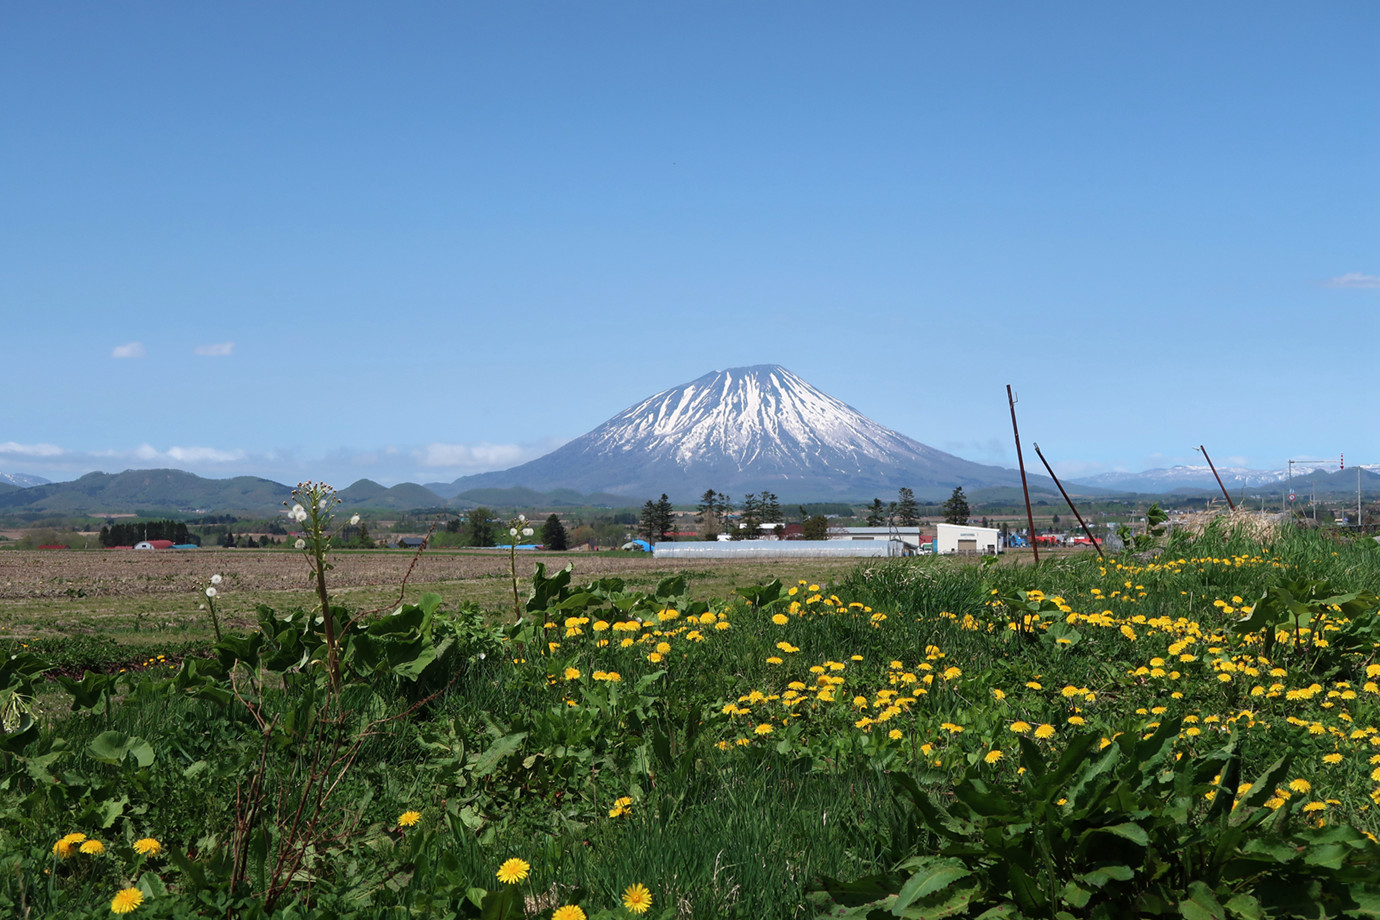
(776,549)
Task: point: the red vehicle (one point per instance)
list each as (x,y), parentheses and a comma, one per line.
(1048,539)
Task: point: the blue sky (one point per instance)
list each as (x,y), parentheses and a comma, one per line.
(414,241)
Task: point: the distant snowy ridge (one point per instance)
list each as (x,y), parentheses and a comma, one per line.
(1193,476)
(22,480)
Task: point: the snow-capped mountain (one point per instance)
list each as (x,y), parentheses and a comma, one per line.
(22,480)
(743,430)
(1200,477)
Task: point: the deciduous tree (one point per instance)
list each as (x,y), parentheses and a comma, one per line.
(480,526)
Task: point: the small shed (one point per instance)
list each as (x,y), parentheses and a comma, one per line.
(965,539)
(154,544)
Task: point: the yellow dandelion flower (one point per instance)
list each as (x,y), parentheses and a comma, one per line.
(1020,728)
(513,871)
(406,819)
(93,848)
(126,900)
(1044,731)
(148,846)
(763,729)
(568,912)
(572,673)
(67,845)
(993,756)
(637,898)
(780,619)
(1300,785)
(1332,759)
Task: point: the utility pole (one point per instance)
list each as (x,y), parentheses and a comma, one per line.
(1203,450)
(1029,515)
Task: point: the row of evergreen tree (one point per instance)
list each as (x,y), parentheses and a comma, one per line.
(717,513)
(482,527)
(128,534)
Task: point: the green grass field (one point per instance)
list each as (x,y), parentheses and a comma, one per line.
(1190,733)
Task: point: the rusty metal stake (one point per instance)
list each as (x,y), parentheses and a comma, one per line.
(1203,450)
(1029,515)
(1095,544)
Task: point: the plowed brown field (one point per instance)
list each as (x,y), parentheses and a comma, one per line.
(122,592)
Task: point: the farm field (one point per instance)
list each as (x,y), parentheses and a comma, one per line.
(1189,731)
(142,598)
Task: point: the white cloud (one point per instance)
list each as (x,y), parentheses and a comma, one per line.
(132,350)
(1353,280)
(191,455)
(477,457)
(31,450)
(219,350)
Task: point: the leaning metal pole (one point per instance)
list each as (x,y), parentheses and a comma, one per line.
(1029,515)
(1070,503)
(1203,450)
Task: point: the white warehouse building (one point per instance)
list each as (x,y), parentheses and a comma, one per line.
(966,539)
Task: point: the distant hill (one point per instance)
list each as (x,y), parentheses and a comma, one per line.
(98,494)
(520,497)
(406,496)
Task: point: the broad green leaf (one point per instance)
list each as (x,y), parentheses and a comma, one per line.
(1201,903)
(1103,874)
(1366,898)
(1075,895)
(936,909)
(1026,893)
(1126,830)
(976,795)
(487,762)
(926,882)
(504,904)
(112,747)
(1327,856)
(1245,907)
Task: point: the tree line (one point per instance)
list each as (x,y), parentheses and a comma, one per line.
(130,533)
